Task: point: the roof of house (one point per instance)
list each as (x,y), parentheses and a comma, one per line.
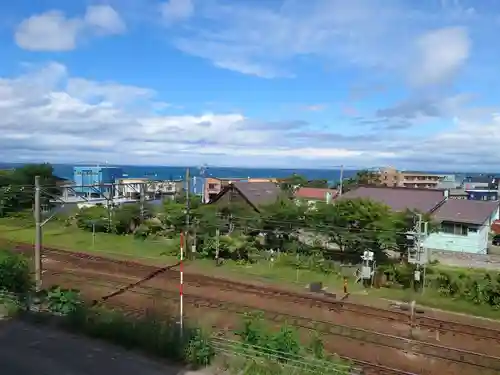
(457,192)
(465,211)
(256,193)
(314,193)
(400,198)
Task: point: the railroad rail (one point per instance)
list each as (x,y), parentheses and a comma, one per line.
(362,335)
(320,301)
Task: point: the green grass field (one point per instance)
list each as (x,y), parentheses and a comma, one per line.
(165,251)
(54,235)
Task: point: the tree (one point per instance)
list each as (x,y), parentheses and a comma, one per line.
(356,225)
(362,178)
(405,222)
(17,187)
(296,181)
(281,222)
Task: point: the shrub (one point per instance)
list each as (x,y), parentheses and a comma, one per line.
(161,337)
(15,273)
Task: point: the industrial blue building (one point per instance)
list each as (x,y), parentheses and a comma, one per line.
(95,180)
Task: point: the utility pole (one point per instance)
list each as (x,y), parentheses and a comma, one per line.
(341,184)
(217,244)
(188,208)
(142,198)
(38,235)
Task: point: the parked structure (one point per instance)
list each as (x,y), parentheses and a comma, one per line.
(95,180)
(464,226)
(213,185)
(254,194)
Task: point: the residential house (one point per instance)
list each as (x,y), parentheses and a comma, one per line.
(464,226)
(312,195)
(483,188)
(400,198)
(213,185)
(458,194)
(253,194)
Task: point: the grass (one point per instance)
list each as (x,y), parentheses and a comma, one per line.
(277,273)
(123,247)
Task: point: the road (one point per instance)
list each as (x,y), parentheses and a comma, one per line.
(27,349)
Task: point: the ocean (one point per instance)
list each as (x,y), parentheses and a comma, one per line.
(171,173)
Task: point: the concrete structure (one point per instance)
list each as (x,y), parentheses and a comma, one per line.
(464,226)
(95,180)
(391,177)
(411,179)
(481,188)
(213,185)
(131,187)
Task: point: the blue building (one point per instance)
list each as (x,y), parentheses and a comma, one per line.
(95,180)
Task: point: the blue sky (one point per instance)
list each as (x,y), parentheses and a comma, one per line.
(283,83)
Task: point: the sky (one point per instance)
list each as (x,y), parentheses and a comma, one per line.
(268,83)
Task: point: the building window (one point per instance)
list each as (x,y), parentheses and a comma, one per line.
(211,186)
(473,230)
(456,229)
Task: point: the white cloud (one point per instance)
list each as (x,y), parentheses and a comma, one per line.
(176,10)
(53,31)
(105,18)
(50,31)
(441,53)
(49,115)
(257,39)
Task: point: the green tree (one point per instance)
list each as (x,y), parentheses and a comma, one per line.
(295,181)
(356,225)
(405,222)
(17,187)
(282,222)
(362,178)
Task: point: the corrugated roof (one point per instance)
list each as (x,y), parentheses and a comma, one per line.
(258,193)
(465,211)
(400,199)
(314,193)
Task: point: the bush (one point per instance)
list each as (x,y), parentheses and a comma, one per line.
(15,274)
(161,337)
(263,351)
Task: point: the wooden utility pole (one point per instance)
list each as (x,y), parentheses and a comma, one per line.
(188,210)
(341,184)
(38,234)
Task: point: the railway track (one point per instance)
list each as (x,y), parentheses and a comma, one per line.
(479,361)
(367,368)
(319,301)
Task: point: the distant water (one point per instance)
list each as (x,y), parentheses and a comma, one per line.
(170,173)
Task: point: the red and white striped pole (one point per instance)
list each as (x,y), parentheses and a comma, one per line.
(181,285)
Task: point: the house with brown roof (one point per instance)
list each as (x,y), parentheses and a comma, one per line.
(311,196)
(253,194)
(464,226)
(399,198)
